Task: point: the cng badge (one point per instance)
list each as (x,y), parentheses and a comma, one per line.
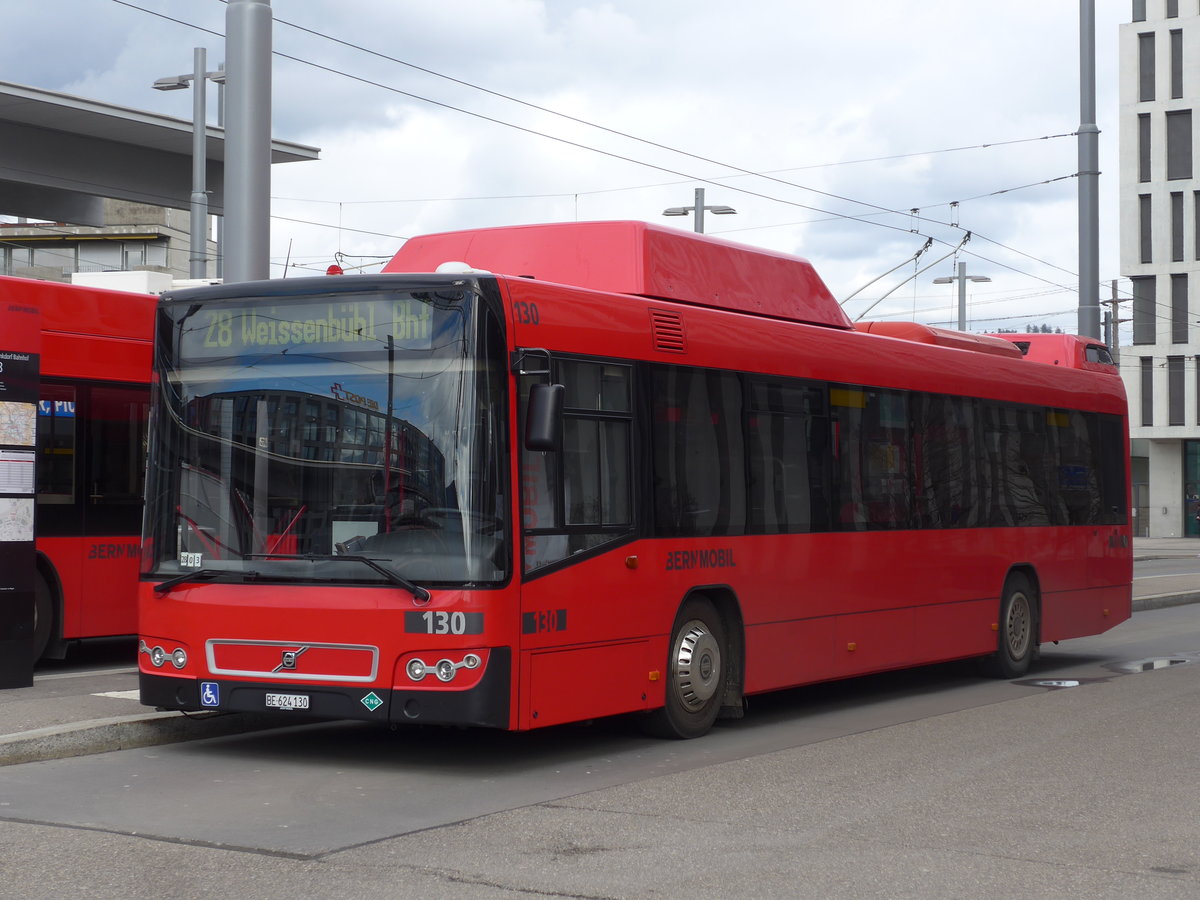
(372,701)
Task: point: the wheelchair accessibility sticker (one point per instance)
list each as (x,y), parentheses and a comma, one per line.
(210,693)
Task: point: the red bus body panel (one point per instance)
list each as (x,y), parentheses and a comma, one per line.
(1060,350)
(637,258)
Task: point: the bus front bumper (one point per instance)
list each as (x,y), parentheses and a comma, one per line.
(486,704)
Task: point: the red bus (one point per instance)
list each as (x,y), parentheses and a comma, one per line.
(91,437)
(641,471)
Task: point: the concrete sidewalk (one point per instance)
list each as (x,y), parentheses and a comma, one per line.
(73,714)
(1165,548)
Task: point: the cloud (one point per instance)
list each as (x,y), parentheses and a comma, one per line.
(801,90)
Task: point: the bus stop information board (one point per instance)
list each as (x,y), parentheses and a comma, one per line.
(20,337)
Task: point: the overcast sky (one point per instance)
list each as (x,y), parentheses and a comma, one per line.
(849,111)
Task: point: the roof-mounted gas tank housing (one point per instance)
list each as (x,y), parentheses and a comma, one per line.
(641,259)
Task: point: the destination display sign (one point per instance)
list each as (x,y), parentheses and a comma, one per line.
(221,329)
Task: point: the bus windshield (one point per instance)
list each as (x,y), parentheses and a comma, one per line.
(295,436)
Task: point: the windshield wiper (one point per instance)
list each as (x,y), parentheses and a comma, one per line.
(395,578)
(194,575)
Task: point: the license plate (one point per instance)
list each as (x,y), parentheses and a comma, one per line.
(287,701)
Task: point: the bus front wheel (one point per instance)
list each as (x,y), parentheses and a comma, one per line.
(695,674)
(1018,629)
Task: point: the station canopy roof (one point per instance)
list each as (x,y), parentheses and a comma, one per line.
(61,155)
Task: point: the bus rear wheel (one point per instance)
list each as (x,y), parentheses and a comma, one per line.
(43,615)
(695,674)
(1018,629)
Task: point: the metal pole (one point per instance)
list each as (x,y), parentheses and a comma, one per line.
(219,223)
(248,140)
(962,296)
(1115,347)
(1089,176)
(198,225)
(699,210)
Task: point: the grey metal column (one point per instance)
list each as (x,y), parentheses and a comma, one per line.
(247,231)
(699,210)
(962,296)
(198,225)
(219,223)
(1089,176)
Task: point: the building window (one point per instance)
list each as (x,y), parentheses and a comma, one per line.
(1144,155)
(1143,309)
(1179,144)
(1139,10)
(1179,309)
(1195,219)
(1172,9)
(1175,414)
(1176,64)
(134,255)
(13,259)
(1196,360)
(1147,399)
(1145,228)
(1177,227)
(1146,66)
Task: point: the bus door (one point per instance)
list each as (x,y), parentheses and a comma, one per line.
(114,473)
(576,515)
(91,457)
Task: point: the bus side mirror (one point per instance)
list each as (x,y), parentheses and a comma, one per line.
(543,416)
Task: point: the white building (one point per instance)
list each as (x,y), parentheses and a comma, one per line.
(1160,253)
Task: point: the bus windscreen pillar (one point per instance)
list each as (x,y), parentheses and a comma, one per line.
(20,337)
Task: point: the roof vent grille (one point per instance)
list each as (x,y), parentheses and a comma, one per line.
(666,328)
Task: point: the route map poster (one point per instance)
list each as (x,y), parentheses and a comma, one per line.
(20,337)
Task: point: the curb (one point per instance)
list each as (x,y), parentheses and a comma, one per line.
(125,733)
(1162,601)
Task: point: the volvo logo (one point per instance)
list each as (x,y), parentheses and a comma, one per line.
(289,659)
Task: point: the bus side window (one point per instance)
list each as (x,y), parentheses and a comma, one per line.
(56,445)
(116,458)
(787,470)
(578,498)
(699,456)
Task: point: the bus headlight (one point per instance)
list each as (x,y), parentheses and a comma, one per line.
(159,657)
(446,670)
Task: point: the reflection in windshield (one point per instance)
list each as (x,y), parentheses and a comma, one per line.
(360,424)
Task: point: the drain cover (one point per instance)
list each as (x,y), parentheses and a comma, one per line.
(1058,684)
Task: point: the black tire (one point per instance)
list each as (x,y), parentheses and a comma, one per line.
(695,673)
(1017,641)
(43,615)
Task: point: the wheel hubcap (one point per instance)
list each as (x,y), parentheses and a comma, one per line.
(696,666)
(1018,628)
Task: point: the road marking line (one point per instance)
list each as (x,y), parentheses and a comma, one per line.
(55,676)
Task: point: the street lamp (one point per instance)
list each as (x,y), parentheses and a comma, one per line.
(699,209)
(199,202)
(962,278)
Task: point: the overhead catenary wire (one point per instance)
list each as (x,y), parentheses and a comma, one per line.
(577,144)
(711,179)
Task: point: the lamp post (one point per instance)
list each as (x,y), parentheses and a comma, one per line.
(699,209)
(962,278)
(198,229)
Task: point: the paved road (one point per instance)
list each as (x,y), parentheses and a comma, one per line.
(928,784)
